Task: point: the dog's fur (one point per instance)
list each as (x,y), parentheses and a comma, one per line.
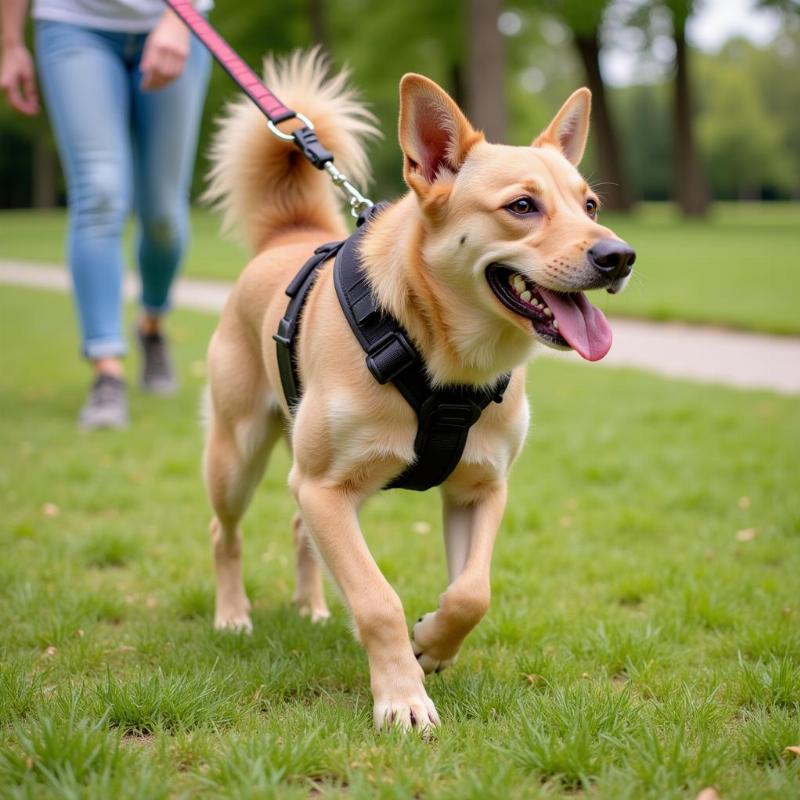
(425,256)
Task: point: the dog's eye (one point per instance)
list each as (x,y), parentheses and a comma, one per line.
(522,205)
(591,207)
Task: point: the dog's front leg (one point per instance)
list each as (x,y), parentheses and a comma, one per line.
(331,515)
(469,532)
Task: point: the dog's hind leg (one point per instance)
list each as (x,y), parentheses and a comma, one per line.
(231,476)
(309,595)
(243,429)
(469,532)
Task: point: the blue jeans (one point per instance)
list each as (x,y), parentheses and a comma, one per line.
(120,148)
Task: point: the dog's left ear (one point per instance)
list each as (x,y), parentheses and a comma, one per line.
(570,127)
(435,136)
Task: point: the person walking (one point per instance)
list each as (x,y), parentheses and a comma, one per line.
(124,85)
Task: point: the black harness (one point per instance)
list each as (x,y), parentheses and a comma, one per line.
(444,413)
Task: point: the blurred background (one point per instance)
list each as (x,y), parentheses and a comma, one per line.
(693,101)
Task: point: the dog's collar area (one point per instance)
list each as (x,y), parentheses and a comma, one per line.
(445,414)
(523,297)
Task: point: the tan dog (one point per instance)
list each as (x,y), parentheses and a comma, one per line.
(484,258)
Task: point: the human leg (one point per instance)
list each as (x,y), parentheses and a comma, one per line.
(84,83)
(165,127)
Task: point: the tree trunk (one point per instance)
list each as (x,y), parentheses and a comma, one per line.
(45,173)
(456,87)
(614,188)
(691,189)
(319,23)
(485,73)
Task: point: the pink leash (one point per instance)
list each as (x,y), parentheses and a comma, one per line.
(273,109)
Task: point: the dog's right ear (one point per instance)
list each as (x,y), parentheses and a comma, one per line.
(570,127)
(435,136)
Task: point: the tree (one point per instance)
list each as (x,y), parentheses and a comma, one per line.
(584,18)
(485,73)
(691,188)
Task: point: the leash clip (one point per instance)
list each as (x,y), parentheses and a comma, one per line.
(358,203)
(310,146)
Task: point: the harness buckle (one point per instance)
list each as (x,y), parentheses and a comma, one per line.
(311,147)
(390,356)
(435,414)
(283,336)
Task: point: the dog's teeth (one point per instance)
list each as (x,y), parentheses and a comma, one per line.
(547,312)
(526,296)
(555,324)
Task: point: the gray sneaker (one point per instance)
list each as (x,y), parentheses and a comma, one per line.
(158,373)
(106,406)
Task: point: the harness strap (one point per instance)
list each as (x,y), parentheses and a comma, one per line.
(287,327)
(444,413)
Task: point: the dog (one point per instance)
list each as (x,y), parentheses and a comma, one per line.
(484,259)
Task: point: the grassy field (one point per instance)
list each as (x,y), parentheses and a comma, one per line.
(739,268)
(643,640)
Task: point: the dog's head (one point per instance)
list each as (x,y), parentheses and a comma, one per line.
(515,229)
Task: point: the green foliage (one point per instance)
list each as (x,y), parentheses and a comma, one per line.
(750,133)
(61,746)
(145,703)
(18,690)
(749,156)
(570,735)
(644,113)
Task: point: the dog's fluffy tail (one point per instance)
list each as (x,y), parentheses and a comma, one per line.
(263,185)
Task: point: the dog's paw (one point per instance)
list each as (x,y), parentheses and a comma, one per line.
(234,620)
(432,656)
(317,613)
(412,712)
(318,616)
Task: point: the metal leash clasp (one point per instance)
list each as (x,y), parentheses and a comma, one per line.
(321,159)
(358,203)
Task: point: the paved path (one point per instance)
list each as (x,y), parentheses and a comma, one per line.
(709,355)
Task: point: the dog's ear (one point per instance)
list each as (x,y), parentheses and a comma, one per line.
(435,136)
(570,127)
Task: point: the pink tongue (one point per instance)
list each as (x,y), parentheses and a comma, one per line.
(585,327)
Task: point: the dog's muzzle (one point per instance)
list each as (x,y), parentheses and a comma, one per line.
(613,259)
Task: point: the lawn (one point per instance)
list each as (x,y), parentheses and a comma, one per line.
(643,640)
(739,268)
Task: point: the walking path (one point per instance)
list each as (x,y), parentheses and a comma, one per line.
(708,355)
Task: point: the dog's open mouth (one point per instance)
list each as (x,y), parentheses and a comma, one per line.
(560,319)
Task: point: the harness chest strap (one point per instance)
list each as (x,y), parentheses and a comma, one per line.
(445,414)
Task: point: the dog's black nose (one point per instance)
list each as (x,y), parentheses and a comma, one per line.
(613,257)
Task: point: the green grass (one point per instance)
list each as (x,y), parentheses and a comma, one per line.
(738,268)
(636,646)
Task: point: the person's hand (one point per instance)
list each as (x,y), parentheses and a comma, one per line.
(165,52)
(18,79)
